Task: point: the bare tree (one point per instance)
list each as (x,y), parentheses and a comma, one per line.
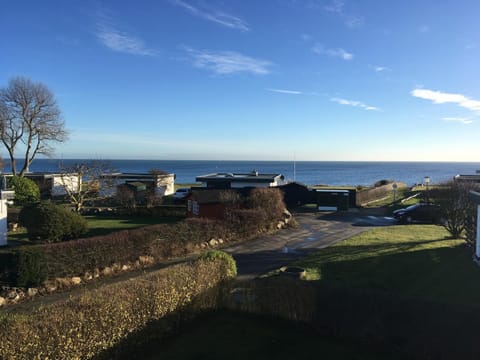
(456,207)
(31,118)
(82,181)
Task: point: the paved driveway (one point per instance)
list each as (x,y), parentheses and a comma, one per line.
(315,231)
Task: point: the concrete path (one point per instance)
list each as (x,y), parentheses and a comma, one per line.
(315,231)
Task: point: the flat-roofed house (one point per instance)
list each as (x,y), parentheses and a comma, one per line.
(242,180)
(54,184)
(163,184)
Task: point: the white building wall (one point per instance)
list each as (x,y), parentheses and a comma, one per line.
(3,222)
(477,244)
(70,181)
(165,185)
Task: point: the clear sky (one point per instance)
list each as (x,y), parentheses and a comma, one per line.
(254,79)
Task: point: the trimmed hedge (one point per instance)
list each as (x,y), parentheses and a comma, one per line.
(75,258)
(87,324)
(49,222)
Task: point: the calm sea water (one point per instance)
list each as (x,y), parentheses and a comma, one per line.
(307,172)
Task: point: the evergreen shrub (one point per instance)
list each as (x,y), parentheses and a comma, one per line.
(48,222)
(30,267)
(26,190)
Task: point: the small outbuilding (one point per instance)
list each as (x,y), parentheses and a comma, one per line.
(297,194)
(208,203)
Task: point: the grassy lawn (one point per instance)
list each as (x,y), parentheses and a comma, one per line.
(99,225)
(227,335)
(105,225)
(415,261)
(394,201)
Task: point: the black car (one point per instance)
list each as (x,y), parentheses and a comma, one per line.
(419,213)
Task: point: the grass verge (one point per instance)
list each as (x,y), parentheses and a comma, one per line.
(416,261)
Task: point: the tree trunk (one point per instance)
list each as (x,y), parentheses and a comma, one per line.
(13,164)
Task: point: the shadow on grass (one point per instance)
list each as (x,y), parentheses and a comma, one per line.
(234,335)
(441,274)
(420,304)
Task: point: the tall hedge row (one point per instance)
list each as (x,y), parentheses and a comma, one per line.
(85,325)
(35,263)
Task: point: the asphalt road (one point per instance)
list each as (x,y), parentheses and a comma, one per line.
(315,231)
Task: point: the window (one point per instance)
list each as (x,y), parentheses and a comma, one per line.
(196,208)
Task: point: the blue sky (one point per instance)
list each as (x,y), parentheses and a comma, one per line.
(244,79)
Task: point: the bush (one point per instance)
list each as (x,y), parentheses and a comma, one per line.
(87,324)
(246,223)
(215,255)
(26,190)
(269,201)
(382,182)
(49,222)
(30,267)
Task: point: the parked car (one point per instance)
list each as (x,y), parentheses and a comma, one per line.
(181,193)
(419,213)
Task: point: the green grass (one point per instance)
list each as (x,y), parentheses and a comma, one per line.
(393,200)
(416,261)
(229,335)
(104,225)
(99,225)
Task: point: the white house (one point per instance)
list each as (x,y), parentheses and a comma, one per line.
(54,184)
(164,184)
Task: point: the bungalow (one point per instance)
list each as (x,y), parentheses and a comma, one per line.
(163,184)
(242,180)
(54,184)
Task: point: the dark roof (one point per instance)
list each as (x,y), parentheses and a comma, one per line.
(248,177)
(136,176)
(467,178)
(294,184)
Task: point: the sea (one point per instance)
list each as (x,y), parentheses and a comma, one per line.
(337,173)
